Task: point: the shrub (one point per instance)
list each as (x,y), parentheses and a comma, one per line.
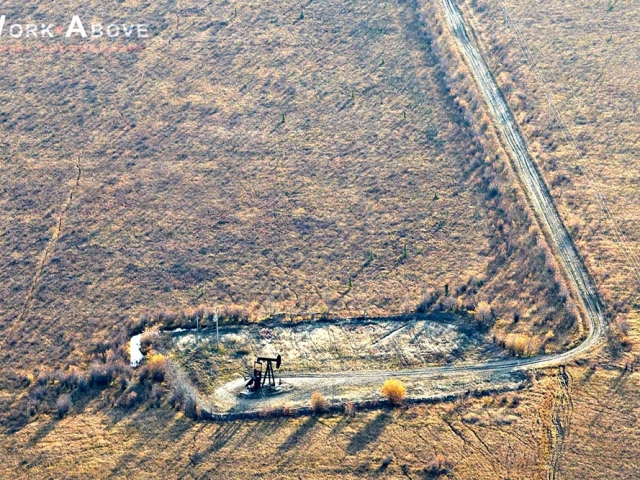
(99,375)
(148,337)
(449,303)
(438,466)
(191,407)
(63,404)
(234,314)
(395,391)
(520,345)
(157,367)
(427,301)
(287,411)
(483,313)
(129,400)
(318,403)
(32,409)
(623,325)
(156,394)
(350,409)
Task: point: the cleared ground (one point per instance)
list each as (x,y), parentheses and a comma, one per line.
(343,360)
(347,345)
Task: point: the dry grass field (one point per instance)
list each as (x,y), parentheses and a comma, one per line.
(308,158)
(246,157)
(505,436)
(586,54)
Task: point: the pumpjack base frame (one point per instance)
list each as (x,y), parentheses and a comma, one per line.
(267,391)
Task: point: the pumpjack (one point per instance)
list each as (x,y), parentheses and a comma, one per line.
(260,379)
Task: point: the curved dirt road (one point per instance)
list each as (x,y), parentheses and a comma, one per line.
(541,202)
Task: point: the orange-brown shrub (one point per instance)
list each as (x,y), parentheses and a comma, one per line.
(395,391)
(157,366)
(318,403)
(519,344)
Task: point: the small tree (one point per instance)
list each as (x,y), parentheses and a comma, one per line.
(395,391)
(318,403)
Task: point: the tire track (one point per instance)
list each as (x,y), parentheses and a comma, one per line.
(44,256)
(561,414)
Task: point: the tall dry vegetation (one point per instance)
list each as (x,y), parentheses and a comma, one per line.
(590,77)
(523,282)
(281,217)
(278,217)
(318,402)
(394,391)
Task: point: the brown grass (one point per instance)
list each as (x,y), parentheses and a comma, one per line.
(584,52)
(193,190)
(506,441)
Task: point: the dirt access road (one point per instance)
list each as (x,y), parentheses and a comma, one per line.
(546,213)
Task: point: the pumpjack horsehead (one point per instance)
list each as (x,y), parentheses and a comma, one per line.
(259,379)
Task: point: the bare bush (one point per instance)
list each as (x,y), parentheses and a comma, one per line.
(623,325)
(131,399)
(395,391)
(191,407)
(428,300)
(156,394)
(350,409)
(438,466)
(449,303)
(234,314)
(483,313)
(318,403)
(99,375)
(63,404)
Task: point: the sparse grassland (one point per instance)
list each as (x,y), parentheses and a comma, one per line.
(271,159)
(586,64)
(508,435)
(256,159)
